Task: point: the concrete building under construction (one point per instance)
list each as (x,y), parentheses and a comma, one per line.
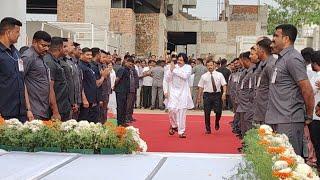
(146,27)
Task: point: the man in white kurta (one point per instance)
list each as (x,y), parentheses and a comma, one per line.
(177,92)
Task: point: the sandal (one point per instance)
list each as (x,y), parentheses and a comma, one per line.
(172,130)
(182,135)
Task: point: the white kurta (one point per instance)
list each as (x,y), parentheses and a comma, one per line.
(176,85)
(178,88)
(112,105)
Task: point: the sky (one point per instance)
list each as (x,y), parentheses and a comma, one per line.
(207,9)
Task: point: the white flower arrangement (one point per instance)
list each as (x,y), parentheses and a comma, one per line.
(34,125)
(136,136)
(71,135)
(303,171)
(299,170)
(69,125)
(14,123)
(268,130)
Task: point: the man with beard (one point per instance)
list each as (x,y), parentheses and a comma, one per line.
(178,94)
(37,78)
(263,79)
(246,93)
(291,99)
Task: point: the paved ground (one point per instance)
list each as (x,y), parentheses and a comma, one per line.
(148,166)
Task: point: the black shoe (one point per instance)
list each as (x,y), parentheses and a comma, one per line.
(125,125)
(217,126)
(208,132)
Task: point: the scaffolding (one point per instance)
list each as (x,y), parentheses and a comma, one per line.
(87,34)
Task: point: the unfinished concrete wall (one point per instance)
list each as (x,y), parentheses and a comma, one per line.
(151,34)
(252,13)
(71,10)
(98,12)
(91,11)
(123,22)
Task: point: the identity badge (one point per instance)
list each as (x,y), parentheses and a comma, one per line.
(20,65)
(250,85)
(241,85)
(274,76)
(259,80)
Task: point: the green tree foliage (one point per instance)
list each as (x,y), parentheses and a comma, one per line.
(296,12)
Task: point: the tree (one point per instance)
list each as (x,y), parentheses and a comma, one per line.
(296,12)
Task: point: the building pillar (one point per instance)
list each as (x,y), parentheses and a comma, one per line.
(16,9)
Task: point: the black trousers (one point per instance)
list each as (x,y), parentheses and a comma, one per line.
(131,99)
(314,129)
(121,107)
(147,95)
(90,114)
(212,101)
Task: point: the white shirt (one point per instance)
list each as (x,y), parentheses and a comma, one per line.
(139,70)
(206,84)
(316,92)
(112,78)
(310,72)
(147,81)
(191,79)
(177,82)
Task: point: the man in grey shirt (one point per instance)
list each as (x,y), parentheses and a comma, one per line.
(246,93)
(263,79)
(198,71)
(291,98)
(157,73)
(37,78)
(58,77)
(77,76)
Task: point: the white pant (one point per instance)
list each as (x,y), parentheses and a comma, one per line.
(177,118)
(138,100)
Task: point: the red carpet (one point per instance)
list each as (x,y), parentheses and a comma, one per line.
(154,130)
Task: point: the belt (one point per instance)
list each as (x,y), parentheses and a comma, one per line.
(212,92)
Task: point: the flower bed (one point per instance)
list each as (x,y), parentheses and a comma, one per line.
(271,156)
(69,136)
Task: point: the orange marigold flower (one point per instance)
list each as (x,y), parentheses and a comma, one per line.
(262,132)
(289,160)
(2,121)
(281,175)
(264,142)
(108,124)
(275,149)
(121,131)
(48,123)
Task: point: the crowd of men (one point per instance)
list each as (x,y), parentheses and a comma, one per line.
(55,79)
(270,84)
(275,84)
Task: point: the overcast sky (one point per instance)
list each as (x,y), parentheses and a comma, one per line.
(207,9)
